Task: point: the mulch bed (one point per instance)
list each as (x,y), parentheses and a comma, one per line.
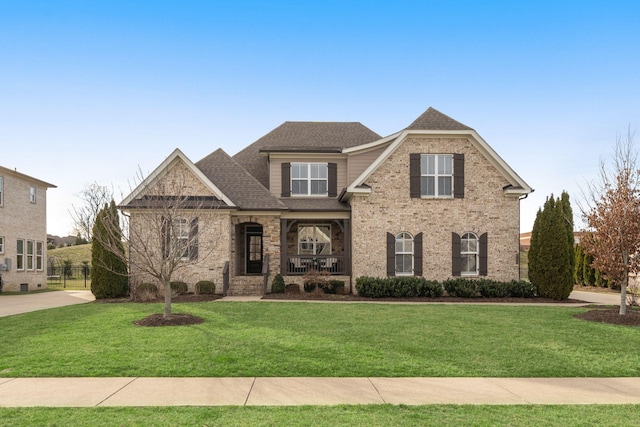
(179,319)
(611,315)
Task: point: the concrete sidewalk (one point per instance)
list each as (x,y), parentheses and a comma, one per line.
(92,392)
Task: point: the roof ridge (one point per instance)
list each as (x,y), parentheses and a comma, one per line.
(433,119)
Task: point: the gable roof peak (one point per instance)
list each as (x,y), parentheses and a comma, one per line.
(433,119)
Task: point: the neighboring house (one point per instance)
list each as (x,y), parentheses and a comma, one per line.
(61,242)
(431,200)
(23,231)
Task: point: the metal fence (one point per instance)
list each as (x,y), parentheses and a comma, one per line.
(69,276)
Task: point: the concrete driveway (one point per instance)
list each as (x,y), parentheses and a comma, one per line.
(17,304)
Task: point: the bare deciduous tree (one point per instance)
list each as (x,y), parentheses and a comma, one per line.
(94,197)
(612,216)
(168,226)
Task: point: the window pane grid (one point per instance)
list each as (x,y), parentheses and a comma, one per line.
(436,181)
(469,253)
(309,179)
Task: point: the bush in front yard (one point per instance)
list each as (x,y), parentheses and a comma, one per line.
(179,288)
(205,287)
(463,288)
(492,288)
(397,287)
(521,289)
(277,286)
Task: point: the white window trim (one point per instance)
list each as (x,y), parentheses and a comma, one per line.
(20,255)
(1,244)
(315,240)
(476,254)
(32,194)
(308,179)
(30,258)
(412,253)
(39,256)
(435,176)
(179,227)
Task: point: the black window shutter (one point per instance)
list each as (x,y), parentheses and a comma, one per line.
(286,180)
(391,254)
(456,260)
(483,254)
(414,176)
(193,239)
(332,169)
(458,176)
(417,255)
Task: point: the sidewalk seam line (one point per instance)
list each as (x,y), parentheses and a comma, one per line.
(492,381)
(250,390)
(376,389)
(117,391)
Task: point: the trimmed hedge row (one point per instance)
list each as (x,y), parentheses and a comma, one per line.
(404,287)
(397,287)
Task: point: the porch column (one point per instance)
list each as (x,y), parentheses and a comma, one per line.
(283,247)
(347,246)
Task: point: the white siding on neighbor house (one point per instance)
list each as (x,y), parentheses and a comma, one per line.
(275,173)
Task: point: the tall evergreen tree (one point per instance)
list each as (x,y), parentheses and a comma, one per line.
(550,269)
(567,214)
(588,272)
(108,270)
(577,266)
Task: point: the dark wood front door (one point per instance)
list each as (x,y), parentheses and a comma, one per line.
(254,250)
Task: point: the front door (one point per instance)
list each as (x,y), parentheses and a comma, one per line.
(253,249)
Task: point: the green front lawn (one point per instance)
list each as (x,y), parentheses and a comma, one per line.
(311,339)
(368,415)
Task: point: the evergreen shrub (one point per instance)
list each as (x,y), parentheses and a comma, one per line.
(179,288)
(463,288)
(205,287)
(277,286)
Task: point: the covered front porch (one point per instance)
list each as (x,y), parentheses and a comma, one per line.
(315,244)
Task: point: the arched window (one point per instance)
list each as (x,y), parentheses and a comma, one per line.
(404,254)
(469,254)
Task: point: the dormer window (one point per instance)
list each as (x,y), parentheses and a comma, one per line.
(309,179)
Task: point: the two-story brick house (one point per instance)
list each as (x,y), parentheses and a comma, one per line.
(431,200)
(23,231)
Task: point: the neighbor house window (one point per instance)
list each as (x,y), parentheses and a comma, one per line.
(436,175)
(30,253)
(32,194)
(404,254)
(39,255)
(314,240)
(469,254)
(1,245)
(309,179)
(1,191)
(20,254)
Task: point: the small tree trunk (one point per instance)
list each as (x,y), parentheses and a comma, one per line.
(167,299)
(623,294)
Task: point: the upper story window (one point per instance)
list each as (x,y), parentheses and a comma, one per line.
(32,194)
(309,179)
(1,191)
(436,175)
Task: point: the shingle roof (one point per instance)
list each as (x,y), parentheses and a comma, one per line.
(433,119)
(298,136)
(236,183)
